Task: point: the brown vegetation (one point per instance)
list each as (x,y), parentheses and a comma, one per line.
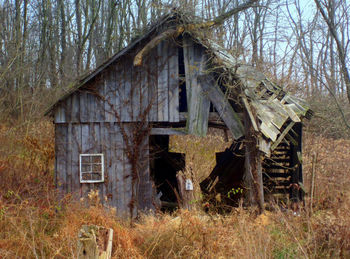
(35,224)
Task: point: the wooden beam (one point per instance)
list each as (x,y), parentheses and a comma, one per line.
(250,113)
(155,41)
(225,110)
(253,180)
(168,131)
(283,134)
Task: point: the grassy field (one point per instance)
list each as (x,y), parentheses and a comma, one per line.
(33,224)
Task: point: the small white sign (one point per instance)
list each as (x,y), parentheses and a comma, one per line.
(189,185)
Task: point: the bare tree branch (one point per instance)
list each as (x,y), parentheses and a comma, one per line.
(340,47)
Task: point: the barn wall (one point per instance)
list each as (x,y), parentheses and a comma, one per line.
(73,139)
(123,92)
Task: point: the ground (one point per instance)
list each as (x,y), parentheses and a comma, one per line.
(34,224)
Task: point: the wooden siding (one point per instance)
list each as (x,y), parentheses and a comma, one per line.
(74,139)
(122,92)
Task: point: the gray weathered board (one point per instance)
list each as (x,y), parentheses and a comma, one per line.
(106,138)
(123,93)
(197,102)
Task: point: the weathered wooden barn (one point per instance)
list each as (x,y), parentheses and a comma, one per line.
(112,128)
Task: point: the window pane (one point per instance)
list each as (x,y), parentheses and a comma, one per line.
(96,159)
(85,168)
(96,176)
(86,176)
(97,167)
(86,159)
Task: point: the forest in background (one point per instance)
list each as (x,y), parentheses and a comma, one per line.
(45,45)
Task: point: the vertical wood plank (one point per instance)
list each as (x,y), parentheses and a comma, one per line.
(197,102)
(69,158)
(97,148)
(91,107)
(173,84)
(136,91)
(76,150)
(83,106)
(60,116)
(144,102)
(61,157)
(109,95)
(163,94)
(118,87)
(127,174)
(145,189)
(118,185)
(67,106)
(152,77)
(75,108)
(99,99)
(85,146)
(128,94)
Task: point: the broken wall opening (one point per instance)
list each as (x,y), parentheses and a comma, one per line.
(224,186)
(164,166)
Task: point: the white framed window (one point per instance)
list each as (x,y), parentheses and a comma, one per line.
(91,168)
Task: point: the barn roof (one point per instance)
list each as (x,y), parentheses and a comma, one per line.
(274,106)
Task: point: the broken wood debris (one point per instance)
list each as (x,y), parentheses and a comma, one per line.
(95,242)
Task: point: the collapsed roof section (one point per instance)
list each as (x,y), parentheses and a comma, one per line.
(276,110)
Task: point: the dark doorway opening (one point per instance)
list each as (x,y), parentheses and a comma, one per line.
(163,168)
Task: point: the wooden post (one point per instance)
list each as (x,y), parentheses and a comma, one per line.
(253,169)
(185,194)
(313,178)
(95,242)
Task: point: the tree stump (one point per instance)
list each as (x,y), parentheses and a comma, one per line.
(95,242)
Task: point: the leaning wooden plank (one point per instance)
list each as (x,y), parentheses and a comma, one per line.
(197,102)
(223,107)
(264,146)
(291,113)
(250,113)
(269,130)
(283,134)
(301,105)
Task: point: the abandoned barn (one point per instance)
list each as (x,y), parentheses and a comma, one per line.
(112,128)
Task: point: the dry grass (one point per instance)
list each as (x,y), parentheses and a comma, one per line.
(34,224)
